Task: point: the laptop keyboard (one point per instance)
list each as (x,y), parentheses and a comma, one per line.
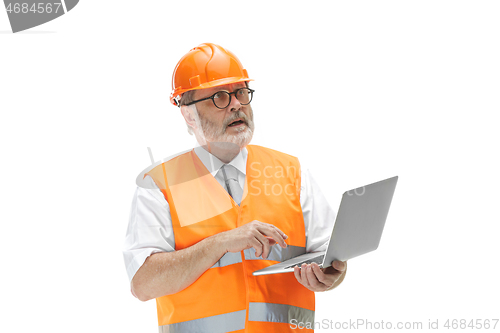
(318,260)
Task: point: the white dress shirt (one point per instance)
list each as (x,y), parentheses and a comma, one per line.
(150,226)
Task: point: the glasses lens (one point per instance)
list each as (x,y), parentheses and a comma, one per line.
(221,99)
(244,95)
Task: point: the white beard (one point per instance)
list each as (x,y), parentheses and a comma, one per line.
(207,131)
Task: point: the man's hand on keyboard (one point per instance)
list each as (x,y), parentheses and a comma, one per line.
(318,279)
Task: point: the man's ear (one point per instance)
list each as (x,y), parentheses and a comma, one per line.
(188,114)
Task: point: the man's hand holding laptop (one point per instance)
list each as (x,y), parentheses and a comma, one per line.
(315,278)
(261,236)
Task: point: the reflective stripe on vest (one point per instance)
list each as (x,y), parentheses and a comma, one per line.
(226,322)
(279,313)
(277,253)
(228,259)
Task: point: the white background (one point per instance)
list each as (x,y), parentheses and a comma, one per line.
(359,91)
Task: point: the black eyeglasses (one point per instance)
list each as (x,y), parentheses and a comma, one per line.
(222,99)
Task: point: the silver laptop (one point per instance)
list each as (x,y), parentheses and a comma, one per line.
(358,227)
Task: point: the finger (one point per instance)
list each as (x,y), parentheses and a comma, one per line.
(254,242)
(265,225)
(271,231)
(332,273)
(325,279)
(303,275)
(271,241)
(266,248)
(280,232)
(296,272)
(264,244)
(313,280)
(339,265)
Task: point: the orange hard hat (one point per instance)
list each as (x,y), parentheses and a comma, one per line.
(207,65)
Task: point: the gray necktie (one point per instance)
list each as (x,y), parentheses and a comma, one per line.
(231,179)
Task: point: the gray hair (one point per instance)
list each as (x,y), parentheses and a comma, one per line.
(187,98)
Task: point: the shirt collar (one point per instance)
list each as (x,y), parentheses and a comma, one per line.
(213,164)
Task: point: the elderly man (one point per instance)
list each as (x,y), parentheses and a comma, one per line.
(214,215)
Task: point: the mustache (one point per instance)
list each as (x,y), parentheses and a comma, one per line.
(237,115)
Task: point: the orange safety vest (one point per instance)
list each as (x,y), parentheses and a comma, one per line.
(227,297)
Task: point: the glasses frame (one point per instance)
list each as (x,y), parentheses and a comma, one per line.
(230,97)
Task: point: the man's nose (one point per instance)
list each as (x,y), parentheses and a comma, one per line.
(235,104)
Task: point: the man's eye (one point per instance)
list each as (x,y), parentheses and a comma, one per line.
(218,95)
